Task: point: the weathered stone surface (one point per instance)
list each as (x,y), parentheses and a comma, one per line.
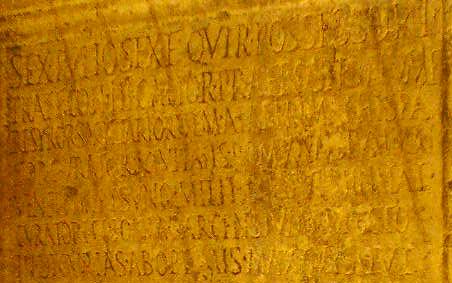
(225,141)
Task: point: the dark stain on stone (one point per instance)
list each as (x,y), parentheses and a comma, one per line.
(70,191)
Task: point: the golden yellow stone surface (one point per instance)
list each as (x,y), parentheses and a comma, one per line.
(225,141)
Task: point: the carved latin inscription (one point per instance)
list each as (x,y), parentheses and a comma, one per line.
(289,142)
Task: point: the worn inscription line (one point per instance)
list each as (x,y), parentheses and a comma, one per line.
(145,20)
